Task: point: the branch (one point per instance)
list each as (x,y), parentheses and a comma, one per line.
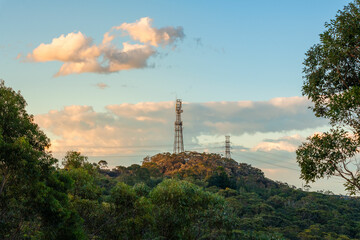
(3,181)
(341,78)
(348,172)
(352,181)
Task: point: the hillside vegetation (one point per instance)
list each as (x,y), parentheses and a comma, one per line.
(252,206)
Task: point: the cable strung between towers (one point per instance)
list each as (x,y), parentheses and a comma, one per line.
(179,141)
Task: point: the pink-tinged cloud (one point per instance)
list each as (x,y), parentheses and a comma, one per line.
(275,146)
(80,55)
(107,38)
(286,143)
(87,65)
(128,110)
(143,32)
(151,123)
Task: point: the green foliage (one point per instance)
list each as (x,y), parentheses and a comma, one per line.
(327,155)
(220,179)
(134,174)
(84,184)
(123,196)
(132,214)
(73,160)
(83,174)
(185,211)
(141,189)
(257,235)
(332,83)
(33,198)
(103,164)
(95,216)
(331,68)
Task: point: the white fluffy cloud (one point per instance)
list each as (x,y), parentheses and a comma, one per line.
(73,47)
(124,127)
(142,31)
(79,54)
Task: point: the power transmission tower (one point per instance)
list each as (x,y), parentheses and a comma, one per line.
(227,147)
(179,141)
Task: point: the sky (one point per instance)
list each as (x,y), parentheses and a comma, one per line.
(101,77)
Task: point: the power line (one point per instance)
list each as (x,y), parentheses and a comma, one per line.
(281,166)
(270,163)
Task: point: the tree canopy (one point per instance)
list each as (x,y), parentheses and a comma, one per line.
(33,198)
(332,83)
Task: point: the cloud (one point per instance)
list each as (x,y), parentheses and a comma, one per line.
(102,85)
(80,55)
(149,109)
(143,32)
(272,172)
(286,143)
(278,114)
(83,129)
(87,65)
(74,47)
(124,127)
(131,56)
(107,38)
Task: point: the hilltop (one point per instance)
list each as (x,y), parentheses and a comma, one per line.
(195,167)
(263,208)
(198,165)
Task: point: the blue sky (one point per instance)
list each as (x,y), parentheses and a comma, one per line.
(243,52)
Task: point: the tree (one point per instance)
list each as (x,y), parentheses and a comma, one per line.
(103,164)
(20,138)
(132,215)
(220,179)
(332,83)
(185,211)
(33,198)
(74,159)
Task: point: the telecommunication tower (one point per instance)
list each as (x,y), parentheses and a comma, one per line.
(227,147)
(179,141)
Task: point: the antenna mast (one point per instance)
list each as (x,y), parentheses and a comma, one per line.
(227,147)
(178,141)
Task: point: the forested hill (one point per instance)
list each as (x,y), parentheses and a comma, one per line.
(198,165)
(208,167)
(170,196)
(256,207)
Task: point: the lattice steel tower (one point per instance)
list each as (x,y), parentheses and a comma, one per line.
(179,141)
(227,147)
